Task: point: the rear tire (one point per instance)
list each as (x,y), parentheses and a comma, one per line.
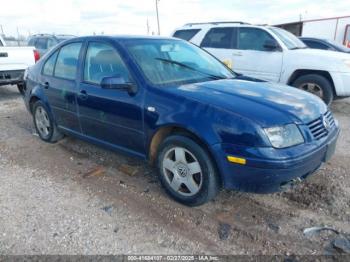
(186,171)
(21,89)
(317,85)
(44,123)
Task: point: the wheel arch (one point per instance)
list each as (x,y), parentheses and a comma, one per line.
(170,129)
(301,72)
(35,95)
(167,130)
(32,101)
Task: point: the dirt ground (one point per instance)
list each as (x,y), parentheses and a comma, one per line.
(76,198)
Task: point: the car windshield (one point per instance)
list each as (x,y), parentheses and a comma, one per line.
(290,40)
(339,46)
(165,62)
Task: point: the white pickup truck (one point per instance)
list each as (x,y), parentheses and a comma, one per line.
(13,63)
(273,54)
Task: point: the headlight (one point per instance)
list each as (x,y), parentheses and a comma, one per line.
(284,136)
(347,62)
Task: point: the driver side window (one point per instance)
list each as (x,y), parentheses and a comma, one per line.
(102,60)
(253,39)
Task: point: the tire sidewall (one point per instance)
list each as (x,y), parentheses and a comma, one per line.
(209,180)
(322,82)
(35,107)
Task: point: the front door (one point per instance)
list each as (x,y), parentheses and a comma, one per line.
(253,59)
(59,84)
(109,115)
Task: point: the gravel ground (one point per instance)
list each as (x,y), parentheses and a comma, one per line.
(75,198)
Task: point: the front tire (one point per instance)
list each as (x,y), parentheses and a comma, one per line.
(186,171)
(317,85)
(44,124)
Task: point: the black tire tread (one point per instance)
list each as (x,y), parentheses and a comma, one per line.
(55,135)
(323,82)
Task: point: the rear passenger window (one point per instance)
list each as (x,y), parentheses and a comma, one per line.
(316,45)
(50,43)
(50,64)
(41,43)
(186,34)
(31,42)
(67,61)
(102,60)
(253,39)
(220,37)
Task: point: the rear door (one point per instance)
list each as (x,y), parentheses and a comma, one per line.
(187,34)
(253,59)
(59,75)
(221,42)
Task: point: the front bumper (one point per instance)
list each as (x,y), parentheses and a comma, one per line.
(268,175)
(341,83)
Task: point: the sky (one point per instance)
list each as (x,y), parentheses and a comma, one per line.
(86,17)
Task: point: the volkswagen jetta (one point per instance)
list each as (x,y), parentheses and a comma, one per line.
(171,103)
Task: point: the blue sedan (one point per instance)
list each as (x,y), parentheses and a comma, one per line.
(169,102)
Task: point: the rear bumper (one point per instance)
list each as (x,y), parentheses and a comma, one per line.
(12,77)
(261,175)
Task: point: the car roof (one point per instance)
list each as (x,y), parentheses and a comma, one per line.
(50,35)
(124,37)
(209,25)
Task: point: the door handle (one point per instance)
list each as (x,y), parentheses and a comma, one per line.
(83,95)
(237,54)
(46,85)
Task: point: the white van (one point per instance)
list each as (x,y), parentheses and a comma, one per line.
(273,54)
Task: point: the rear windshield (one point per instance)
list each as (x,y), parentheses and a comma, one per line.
(186,34)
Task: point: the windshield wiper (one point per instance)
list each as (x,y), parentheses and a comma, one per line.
(214,77)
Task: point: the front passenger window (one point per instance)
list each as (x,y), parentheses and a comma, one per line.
(102,60)
(253,39)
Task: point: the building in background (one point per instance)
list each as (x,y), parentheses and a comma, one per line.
(334,28)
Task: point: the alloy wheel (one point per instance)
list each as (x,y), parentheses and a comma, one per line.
(182,171)
(312,88)
(42,121)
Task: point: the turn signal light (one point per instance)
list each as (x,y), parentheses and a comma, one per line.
(236,160)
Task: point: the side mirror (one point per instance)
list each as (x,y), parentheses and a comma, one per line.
(117,82)
(271,45)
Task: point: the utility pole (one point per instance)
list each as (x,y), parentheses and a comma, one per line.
(18,37)
(2,30)
(148,28)
(157,16)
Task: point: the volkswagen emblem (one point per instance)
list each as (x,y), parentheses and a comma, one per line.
(182,169)
(326,123)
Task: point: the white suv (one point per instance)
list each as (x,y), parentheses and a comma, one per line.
(273,54)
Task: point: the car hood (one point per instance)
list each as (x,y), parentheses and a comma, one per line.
(322,53)
(266,103)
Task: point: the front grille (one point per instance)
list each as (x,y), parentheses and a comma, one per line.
(318,128)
